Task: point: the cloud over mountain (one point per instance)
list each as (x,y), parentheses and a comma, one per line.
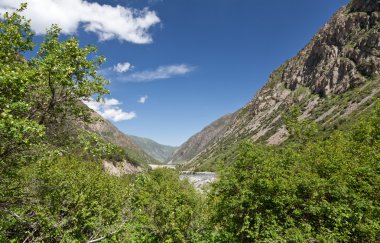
(110,110)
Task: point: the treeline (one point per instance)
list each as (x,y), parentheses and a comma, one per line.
(314,188)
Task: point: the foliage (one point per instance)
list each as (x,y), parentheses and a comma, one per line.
(73,201)
(39,95)
(17,131)
(301,130)
(164,208)
(65,76)
(93,147)
(326,190)
(38,98)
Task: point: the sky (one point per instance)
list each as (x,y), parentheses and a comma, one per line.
(175,66)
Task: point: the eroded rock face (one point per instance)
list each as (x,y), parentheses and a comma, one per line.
(120,168)
(342,55)
(364,5)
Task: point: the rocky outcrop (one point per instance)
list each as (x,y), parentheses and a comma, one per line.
(342,55)
(120,168)
(364,6)
(342,60)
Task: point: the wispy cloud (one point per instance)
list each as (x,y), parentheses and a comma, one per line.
(162,72)
(155,1)
(122,67)
(110,110)
(108,22)
(142,99)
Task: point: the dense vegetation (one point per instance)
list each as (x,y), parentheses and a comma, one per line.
(313,188)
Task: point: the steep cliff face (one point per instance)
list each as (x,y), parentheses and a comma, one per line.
(334,76)
(342,55)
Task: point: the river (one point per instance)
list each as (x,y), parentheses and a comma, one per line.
(198,179)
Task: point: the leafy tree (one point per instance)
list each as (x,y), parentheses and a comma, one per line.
(45,92)
(17,130)
(39,100)
(64,77)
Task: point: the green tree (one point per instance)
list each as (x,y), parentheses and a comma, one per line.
(40,101)
(44,92)
(65,76)
(17,130)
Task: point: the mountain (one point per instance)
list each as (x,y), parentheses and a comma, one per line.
(201,140)
(334,78)
(158,151)
(113,135)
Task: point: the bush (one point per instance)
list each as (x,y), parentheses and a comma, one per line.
(165,209)
(326,190)
(68,200)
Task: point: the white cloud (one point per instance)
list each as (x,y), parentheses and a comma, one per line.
(142,99)
(109,109)
(111,102)
(122,67)
(162,72)
(108,22)
(117,114)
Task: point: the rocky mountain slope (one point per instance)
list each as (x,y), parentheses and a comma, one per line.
(201,140)
(113,135)
(333,78)
(158,151)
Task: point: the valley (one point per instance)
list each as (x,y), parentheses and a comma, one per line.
(299,162)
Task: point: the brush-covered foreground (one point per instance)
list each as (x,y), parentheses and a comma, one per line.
(311,189)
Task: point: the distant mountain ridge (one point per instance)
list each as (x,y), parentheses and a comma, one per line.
(201,140)
(113,135)
(158,151)
(333,78)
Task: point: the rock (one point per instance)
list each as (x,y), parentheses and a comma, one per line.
(120,168)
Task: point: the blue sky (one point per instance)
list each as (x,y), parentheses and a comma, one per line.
(190,61)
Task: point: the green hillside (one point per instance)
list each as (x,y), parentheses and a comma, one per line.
(158,151)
